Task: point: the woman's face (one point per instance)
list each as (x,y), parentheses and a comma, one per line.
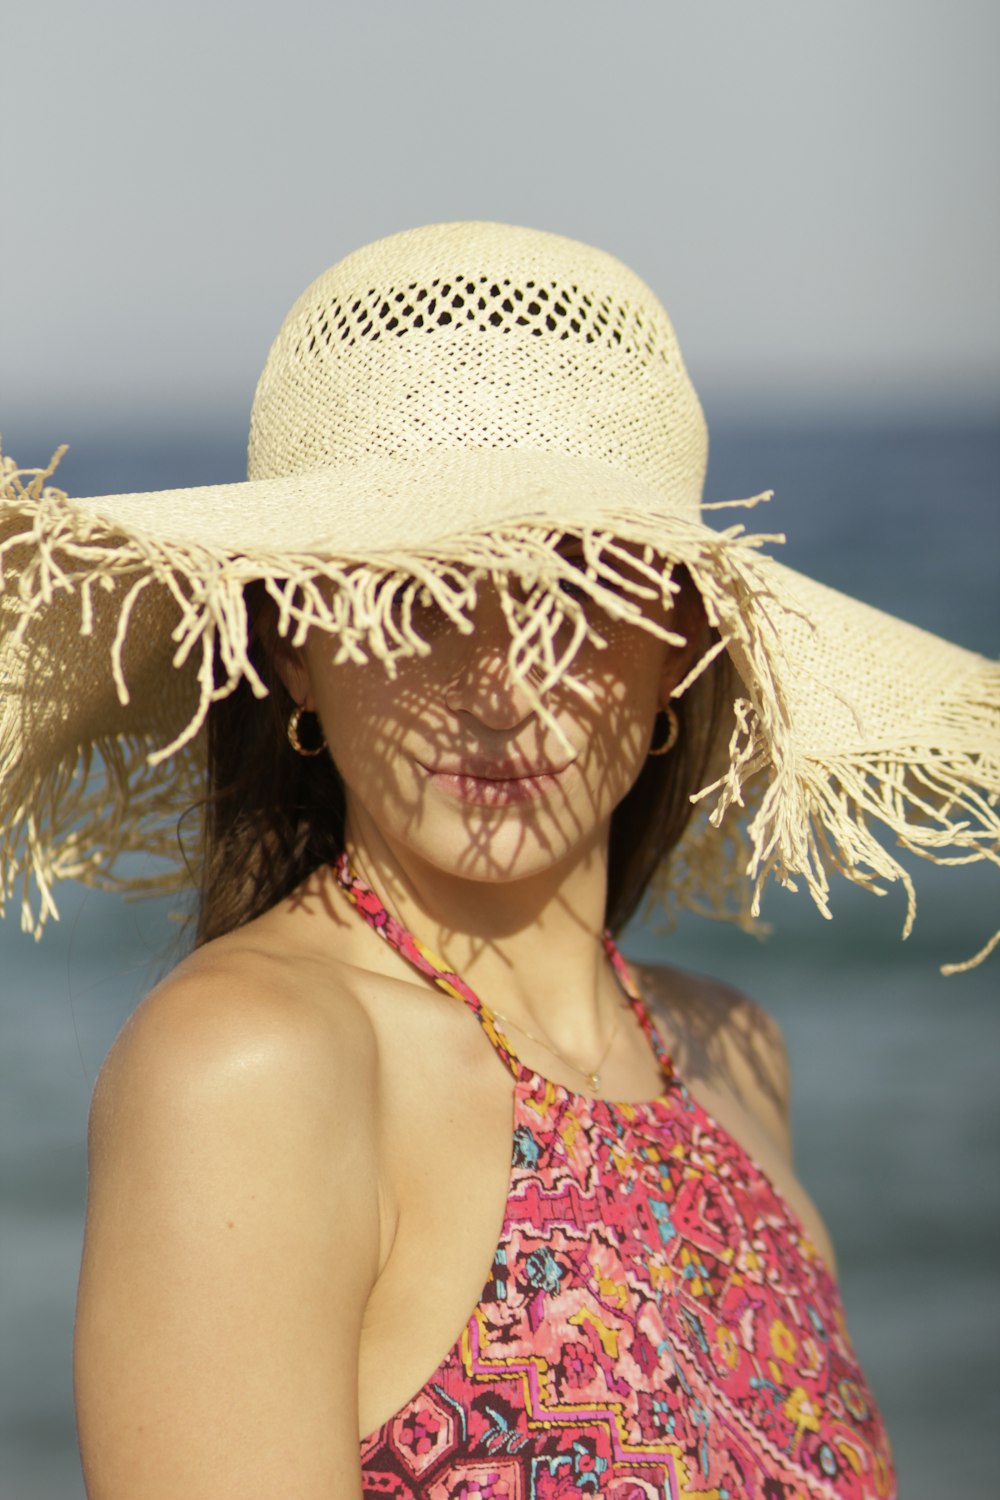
(402,745)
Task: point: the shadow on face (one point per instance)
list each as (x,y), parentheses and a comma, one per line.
(274,816)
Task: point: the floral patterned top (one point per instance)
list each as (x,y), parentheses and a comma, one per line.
(656,1323)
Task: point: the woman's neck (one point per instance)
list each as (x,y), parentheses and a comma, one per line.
(529,947)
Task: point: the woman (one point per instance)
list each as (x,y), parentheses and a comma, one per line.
(447,678)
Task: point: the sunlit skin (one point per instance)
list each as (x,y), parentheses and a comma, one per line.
(512,895)
(300,1149)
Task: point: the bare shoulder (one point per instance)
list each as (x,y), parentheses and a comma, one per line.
(233,1162)
(232,1014)
(232,1029)
(724,1042)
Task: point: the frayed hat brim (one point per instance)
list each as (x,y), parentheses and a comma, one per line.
(849,724)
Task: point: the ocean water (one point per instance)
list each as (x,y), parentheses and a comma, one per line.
(894,1069)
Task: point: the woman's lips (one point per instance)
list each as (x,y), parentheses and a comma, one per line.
(497,790)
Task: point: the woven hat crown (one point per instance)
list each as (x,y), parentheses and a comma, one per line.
(474,336)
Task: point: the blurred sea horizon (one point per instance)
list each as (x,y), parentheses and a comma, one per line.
(895,1099)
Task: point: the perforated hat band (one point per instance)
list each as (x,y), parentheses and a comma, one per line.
(500,353)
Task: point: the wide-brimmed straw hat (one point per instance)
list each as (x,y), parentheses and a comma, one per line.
(440,407)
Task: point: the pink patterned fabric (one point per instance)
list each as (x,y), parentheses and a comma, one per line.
(656,1323)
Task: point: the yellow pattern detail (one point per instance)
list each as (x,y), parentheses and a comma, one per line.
(728,1347)
(852,1453)
(613,1291)
(659,1273)
(801,1409)
(608,1336)
(783,1341)
(699,1283)
(553,1411)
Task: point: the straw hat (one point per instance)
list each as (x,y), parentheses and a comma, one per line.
(442,406)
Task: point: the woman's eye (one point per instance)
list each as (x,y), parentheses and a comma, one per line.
(418,605)
(568,585)
(574,590)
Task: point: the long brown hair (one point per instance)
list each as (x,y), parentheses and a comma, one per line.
(272,816)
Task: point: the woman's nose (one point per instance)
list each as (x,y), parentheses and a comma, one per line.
(480,681)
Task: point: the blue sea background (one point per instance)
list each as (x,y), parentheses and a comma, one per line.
(894,1068)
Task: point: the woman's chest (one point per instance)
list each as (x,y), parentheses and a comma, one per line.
(469,1161)
(641,1272)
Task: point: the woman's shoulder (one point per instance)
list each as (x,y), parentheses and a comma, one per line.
(722,1042)
(233,1160)
(234,1067)
(233,1017)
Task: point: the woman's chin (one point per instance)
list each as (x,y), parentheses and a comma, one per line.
(475,843)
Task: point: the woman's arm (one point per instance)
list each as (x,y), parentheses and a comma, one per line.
(232,1241)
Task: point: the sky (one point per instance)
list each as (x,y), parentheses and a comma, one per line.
(810,188)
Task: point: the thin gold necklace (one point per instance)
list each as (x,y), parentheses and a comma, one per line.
(592,1075)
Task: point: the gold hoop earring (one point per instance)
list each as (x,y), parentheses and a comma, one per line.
(673,730)
(293,735)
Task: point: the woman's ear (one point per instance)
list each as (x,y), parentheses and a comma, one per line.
(290,667)
(287,661)
(688,618)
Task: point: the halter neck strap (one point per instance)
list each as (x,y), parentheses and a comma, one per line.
(368,904)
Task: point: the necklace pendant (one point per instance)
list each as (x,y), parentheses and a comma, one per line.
(594,1081)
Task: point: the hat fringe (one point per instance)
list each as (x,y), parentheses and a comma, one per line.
(802,815)
(111,803)
(811,817)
